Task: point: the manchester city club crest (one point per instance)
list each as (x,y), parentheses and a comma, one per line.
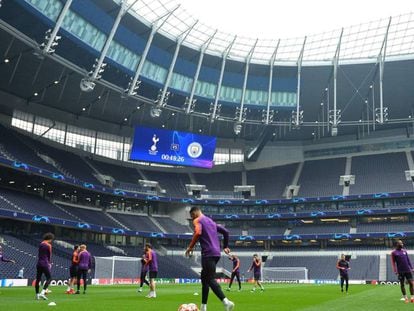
(194,150)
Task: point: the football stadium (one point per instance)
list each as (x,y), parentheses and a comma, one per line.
(150,160)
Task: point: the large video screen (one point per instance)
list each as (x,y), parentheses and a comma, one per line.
(172,147)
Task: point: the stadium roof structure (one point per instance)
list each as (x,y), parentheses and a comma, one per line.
(362,42)
(356,61)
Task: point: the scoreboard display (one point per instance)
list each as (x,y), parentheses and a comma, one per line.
(172,147)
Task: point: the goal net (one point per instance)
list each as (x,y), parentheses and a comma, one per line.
(117,267)
(284,273)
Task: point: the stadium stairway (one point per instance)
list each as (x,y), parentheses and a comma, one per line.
(141,173)
(56,202)
(298,172)
(59,167)
(156,223)
(44,156)
(95,170)
(409,160)
(295,179)
(116,249)
(192,178)
(6,154)
(117,221)
(11,205)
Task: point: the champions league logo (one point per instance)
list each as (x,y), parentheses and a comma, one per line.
(194,150)
(153,150)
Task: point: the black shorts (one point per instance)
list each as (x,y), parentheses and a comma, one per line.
(344,276)
(82,274)
(42,270)
(153,275)
(73,271)
(237,273)
(208,268)
(405,275)
(257,276)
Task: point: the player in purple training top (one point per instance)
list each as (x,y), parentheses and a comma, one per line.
(401,266)
(205,231)
(343,266)
(4,259)
(256,266)
(143,278)
(152,262)
(44,264)
(235,273)
(84,266)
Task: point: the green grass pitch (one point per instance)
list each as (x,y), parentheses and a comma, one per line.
(275,297)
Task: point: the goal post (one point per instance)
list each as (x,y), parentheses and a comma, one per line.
(117,267)
(284,273)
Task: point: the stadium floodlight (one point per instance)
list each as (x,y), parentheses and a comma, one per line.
(50,43)
(131,90)
(87,84)
(240,114)
(334,117)
(189,105)
(161,100)
(383,112)
(265,119)
(214,111)
(297,120)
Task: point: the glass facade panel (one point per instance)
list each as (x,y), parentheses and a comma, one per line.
(205,89)
(181,82)
(48,129)
(22,120)
(230,94)
(49,8)
(123,56)
(109,146)
(80,138)
(154,72)
(83,30)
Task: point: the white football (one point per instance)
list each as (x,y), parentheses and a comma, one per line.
(188,307)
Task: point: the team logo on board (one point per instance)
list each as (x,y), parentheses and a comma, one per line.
(153,150)
(194,150)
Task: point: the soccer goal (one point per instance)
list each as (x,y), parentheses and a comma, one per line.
(284,273)
(117,267)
